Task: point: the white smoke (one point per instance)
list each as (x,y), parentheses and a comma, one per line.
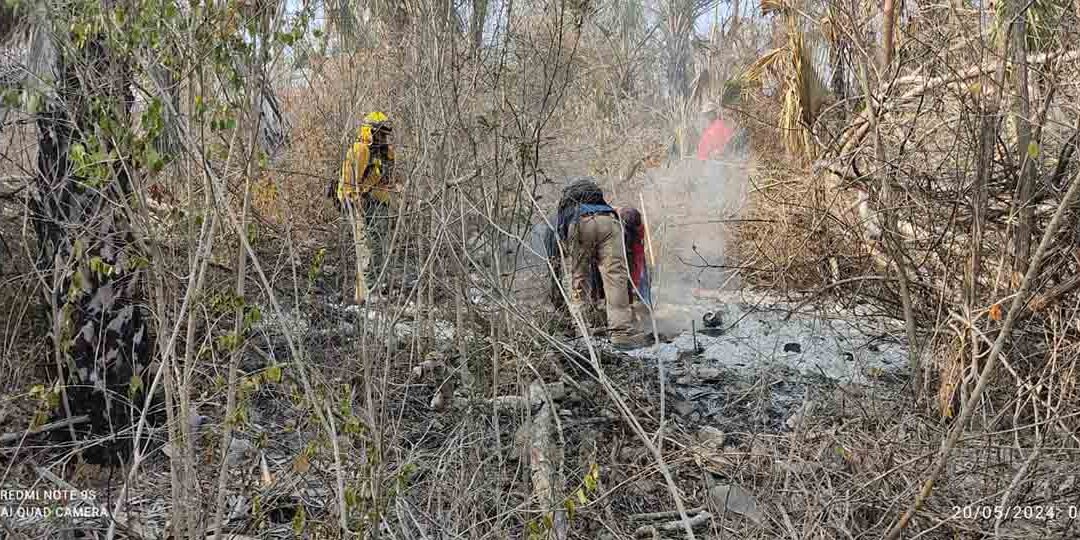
(692,208)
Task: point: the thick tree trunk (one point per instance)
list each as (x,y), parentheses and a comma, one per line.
(888,16)
(100,335)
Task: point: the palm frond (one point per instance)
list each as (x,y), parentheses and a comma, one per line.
(27,52)
(770,62)
(796,106)
(803,88)
(778,7)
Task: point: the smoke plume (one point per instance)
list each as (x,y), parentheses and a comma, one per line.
(692,206)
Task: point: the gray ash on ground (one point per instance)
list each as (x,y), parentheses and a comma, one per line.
(768,359)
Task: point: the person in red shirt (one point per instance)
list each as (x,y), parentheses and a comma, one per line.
(714,140)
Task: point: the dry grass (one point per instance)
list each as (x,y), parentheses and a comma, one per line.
(484,145)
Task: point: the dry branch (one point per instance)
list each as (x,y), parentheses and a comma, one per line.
(1041,301)
(855,131)
(653,516)
(971,404)
(694,522)
(536,396)
(59,424)
(544,458)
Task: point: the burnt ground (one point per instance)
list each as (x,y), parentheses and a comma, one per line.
(787,418)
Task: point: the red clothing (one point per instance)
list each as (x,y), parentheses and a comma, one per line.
(635,245)
(714,139)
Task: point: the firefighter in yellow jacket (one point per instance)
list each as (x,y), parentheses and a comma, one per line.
(368,196)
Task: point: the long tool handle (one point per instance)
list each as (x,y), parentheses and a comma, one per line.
(648,235)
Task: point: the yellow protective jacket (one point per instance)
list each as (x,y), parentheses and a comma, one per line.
(367,170)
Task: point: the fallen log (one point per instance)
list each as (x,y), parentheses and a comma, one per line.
(536,395)
(52,426)
(544,458)
(653,516)
(695,522)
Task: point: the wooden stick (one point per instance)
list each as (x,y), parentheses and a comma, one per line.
(59,482)
(652,516)
(673,526)
(648,235)
(59,424)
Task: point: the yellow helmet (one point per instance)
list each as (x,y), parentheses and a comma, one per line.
(374,124)
(375,117)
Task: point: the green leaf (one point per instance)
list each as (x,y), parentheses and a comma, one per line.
(590,482)
(135,385)
(229,342)
(153,160)
(40,418)
(77,285)
(408,470)
(33,102)
(352,498)
(100,267)
(252,317)
(273,374)
(139,262)
(299,520)
(1033,150)
(77,152)
(353,426)
(11,99)
(240,416)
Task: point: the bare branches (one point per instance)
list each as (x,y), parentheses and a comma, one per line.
(1018,302)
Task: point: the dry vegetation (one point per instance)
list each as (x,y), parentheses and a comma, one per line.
(938,187)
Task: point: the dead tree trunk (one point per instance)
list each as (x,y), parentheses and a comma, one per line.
(86,250)
(888,20)
(1025,182)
